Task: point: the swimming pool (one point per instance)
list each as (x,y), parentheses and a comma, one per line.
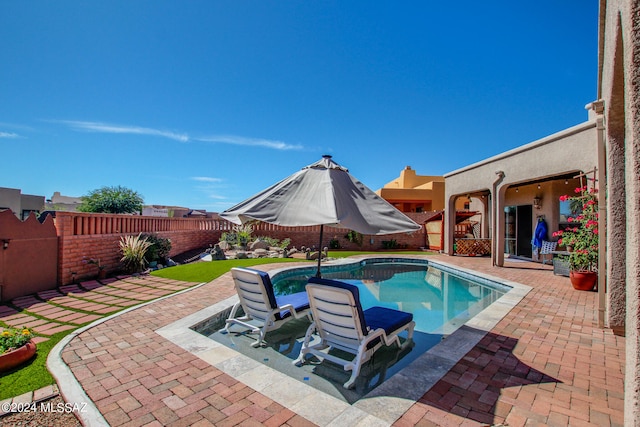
(302,393)
(441,300)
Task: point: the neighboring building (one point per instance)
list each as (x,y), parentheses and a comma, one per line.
(153,211)
(20,204)
(59,202)
(411,192)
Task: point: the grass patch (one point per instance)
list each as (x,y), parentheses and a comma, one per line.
(34,374)
(207,271)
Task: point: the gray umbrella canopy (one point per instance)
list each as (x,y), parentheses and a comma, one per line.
(323,193)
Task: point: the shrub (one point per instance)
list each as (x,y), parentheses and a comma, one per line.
(272,241)
(118,200)
(159,249)
(134,249)
(354,237)
(389,244)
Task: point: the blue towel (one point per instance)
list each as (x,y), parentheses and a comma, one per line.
(540,234)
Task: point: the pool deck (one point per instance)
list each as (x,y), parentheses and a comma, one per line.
(545,363)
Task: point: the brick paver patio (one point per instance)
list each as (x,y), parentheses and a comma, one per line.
(545,363)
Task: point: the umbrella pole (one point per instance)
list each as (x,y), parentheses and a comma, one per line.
(320,251)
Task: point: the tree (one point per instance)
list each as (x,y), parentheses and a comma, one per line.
(112,200)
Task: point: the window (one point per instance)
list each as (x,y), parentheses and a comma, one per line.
(568,209)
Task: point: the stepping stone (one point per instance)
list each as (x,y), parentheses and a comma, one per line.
(70,288)
(52,328)
(6,311)
(48,295)
(24,302)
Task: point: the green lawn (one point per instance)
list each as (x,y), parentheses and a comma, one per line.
(207,271)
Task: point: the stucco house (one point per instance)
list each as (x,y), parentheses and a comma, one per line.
(20,204)
(518,187)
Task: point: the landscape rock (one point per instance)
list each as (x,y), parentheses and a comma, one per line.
(259,244)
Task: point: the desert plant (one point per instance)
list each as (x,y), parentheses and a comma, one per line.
(243,233)
(354,237)
(133,250)
(272,241)
(159,249)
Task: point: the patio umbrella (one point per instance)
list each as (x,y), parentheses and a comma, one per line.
(323,193)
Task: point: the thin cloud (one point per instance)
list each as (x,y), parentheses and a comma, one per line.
(206,179)
(9,135)
(182,137)
(123,129)
(254,142)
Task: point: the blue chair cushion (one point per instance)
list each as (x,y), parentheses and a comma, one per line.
(299,301)
(386,318)
(268,287)
(351,288)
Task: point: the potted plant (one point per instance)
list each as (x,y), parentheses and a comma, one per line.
(582,235)
(16,347)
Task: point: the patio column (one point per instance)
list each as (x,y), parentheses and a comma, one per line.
(449,224)
(497,219)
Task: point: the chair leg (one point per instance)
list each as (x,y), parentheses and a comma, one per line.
(260,340)
(231,317)
(305,344)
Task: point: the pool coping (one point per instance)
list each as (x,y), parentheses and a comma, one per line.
(383,405)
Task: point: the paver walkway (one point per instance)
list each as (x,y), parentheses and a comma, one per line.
(545,363)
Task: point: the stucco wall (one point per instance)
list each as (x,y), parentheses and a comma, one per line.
(565,152)
(619,88)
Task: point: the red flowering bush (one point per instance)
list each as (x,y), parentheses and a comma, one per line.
(582,235)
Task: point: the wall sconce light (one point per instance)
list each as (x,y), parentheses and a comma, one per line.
(5,243)
(537,203)
(566,182)
(517,189)
(538,186)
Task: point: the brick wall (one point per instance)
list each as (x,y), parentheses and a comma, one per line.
(74,251)
(83,236)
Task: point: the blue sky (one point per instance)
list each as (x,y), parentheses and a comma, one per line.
(204,103)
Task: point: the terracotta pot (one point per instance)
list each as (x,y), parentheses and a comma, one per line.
(17,357)
(583,280)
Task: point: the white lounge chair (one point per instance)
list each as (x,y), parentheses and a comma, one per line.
(260,304)
(341,323)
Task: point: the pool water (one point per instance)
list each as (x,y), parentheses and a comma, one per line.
(441,301)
